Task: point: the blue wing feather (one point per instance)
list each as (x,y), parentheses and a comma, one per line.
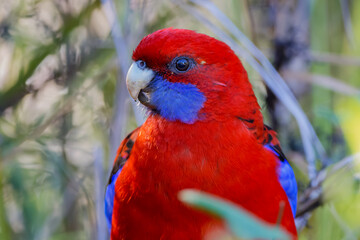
(109,198)
(286,178)
(288,182)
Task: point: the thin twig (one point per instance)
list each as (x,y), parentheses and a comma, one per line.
(101,233)
(328,82)
(312,197)
(334,59)
(120,112)
(347,22)
(349,234)
(249,16)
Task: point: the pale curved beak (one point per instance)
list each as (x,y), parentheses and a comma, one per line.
(138,78)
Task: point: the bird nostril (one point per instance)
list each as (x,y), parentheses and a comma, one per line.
(141,64)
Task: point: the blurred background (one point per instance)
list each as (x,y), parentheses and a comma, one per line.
(64,106)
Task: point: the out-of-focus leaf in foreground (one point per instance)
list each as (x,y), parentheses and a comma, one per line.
(242,223)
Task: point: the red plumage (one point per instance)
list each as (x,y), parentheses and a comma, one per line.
(222,153)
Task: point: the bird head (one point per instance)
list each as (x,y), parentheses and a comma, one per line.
(187,76)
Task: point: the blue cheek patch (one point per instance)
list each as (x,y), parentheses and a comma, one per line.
(176,101)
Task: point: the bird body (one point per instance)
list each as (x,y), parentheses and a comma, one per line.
(204,131)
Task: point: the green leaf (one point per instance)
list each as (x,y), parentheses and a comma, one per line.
(242,223)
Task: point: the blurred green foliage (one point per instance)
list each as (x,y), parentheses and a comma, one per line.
(59,75)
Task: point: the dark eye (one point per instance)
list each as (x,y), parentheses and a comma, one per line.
(182,64)
(141,64)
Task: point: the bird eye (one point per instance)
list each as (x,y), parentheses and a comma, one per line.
(141,64)
(182,64)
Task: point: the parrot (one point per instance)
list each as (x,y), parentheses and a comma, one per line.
(204,130)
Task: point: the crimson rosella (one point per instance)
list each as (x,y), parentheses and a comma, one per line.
(204,131)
